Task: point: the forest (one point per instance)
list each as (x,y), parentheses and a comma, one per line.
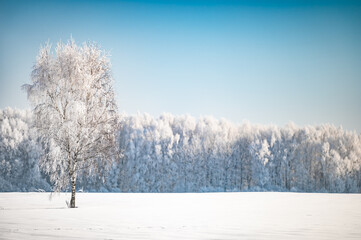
(187,154)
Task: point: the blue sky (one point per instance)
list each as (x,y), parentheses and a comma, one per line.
(264,61)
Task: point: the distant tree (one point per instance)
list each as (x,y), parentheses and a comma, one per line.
(74,111)
(260,160)
(19,153)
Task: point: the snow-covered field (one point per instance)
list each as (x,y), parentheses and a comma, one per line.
(181,216)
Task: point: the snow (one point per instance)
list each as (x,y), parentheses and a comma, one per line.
(184,154)
(251,215)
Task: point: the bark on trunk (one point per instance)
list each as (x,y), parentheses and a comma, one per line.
(72,200)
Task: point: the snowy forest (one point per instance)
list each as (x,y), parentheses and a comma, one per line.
(185,154)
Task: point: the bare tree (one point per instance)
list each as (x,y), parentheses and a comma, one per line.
(75,111)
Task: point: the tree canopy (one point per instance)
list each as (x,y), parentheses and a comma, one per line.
(74,110)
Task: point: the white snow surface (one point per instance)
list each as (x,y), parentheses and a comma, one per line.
(250,215)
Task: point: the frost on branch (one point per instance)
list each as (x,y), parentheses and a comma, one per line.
(19,153)
(74,110)
(184,154)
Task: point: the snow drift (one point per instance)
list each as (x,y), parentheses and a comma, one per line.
(181,216)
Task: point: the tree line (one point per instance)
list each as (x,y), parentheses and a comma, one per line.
(184,154)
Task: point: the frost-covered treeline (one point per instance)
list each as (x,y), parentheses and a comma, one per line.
(19,153)
(183,154)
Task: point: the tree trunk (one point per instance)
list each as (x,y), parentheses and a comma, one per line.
(72,200)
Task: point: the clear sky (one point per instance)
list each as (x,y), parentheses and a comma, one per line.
(264,61)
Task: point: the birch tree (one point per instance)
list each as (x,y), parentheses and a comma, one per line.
(74,110)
